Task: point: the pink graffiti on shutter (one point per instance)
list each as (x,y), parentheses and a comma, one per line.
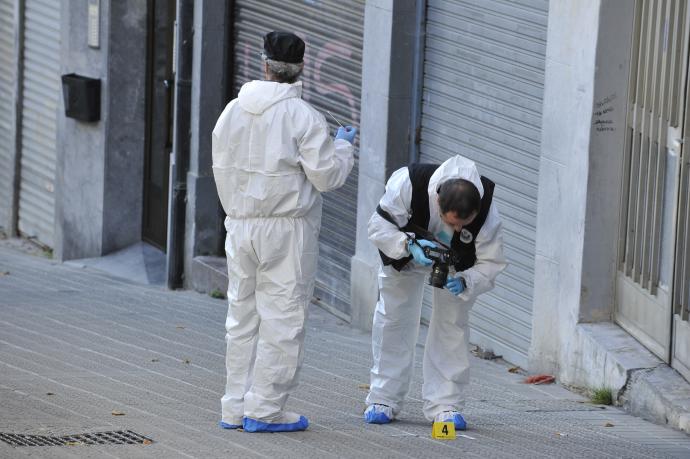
(339,51)
(245,63)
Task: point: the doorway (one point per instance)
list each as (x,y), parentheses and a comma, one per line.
(651,276)
(159,114)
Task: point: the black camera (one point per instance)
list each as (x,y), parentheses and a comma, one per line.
(442,259)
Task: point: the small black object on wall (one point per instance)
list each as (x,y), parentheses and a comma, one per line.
(82,96)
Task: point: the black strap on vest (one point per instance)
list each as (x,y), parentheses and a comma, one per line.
(396,263)
(420,174)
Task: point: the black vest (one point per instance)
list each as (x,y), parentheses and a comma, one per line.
(420,174)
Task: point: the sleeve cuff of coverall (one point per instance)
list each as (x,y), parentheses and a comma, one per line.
(341,143)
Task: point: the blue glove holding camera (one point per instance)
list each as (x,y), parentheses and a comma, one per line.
(455,285)
(417,252)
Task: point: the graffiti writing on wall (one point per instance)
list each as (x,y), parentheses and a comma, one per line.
(320,82)
(603,112)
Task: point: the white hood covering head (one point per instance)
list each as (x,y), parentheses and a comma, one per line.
(257,96)
(456,167)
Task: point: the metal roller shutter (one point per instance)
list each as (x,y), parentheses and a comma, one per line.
(7,70)
(41,92)
(332,81)
(482,98)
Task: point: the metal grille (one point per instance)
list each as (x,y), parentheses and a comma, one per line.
(681,291)
(482,98)
(41,92)
(7,81)
(655,108)
(120,437)
(332,81)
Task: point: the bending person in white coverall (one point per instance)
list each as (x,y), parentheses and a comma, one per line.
(424,206)
(272,159)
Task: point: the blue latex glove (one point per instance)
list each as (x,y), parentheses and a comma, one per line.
(455,285)
(346,133)
(418,253)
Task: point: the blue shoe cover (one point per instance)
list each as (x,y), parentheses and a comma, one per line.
(254,425)
(454,417)
(372,415)
(459,422)
(225,425)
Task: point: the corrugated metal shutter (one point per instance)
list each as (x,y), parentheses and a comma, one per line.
(41,92)
(332,81)
(7,71)
(482,98)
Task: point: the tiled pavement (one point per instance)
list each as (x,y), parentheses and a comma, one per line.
(84,352)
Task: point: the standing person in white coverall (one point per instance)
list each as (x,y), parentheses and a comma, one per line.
(272,159)
(426,205)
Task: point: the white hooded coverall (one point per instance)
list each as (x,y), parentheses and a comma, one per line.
(272,158)
(398,311)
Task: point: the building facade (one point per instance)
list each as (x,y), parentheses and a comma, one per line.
(577,109)
(611,284)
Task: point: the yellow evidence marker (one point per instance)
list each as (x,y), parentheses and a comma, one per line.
(443,431)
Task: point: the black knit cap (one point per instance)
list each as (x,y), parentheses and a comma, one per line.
(284,47)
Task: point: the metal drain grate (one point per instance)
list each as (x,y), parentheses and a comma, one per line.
(120,437)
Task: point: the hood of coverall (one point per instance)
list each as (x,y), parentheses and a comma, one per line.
(257,96)
(455,167)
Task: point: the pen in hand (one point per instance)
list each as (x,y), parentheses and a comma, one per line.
(336,119)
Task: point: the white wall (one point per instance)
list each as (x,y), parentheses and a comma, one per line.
(387,90)
(568,100)
(587,64)
(100,165)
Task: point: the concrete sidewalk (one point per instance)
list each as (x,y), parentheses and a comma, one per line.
(84,352)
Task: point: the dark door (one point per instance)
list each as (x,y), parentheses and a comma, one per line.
(161,22)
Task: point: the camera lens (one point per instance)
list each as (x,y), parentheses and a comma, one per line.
(439,275)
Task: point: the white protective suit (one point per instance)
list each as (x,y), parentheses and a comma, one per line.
(398,311)
(272,158)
